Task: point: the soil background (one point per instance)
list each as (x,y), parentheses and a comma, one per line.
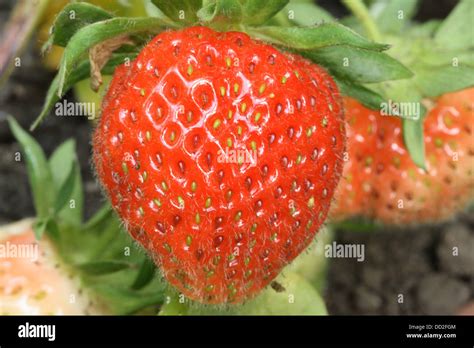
(406,270)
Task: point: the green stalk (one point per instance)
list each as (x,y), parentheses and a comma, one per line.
(360,11)
(17,32)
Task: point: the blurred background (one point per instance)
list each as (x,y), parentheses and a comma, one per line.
(410,261)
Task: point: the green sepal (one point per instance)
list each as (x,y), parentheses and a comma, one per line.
(295,297)
(123,301)
(392,16)
(221,11)
(73,17)
(346,54)
(184,11)
(437,81)
(93,34)
(456,31)
(257,12)
(39,227)
(145,274)
(302,13)
(316,37)
(95,268)
(366,96)
(359,65)
(81,72)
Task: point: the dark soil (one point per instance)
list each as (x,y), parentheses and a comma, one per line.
(406,271)
(423,270)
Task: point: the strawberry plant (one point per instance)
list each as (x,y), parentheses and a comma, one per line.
(222,140)
(201,79)
(219,75)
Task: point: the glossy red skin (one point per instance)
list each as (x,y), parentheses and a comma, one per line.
(395,191)
(222,258)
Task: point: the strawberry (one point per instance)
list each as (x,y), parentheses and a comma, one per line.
(221,227)
(380,181)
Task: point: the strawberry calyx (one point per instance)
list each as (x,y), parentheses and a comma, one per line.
(80,27)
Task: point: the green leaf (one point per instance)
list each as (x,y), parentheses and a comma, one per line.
(425,29)
(391,16)
(457,31)
(65,191)
(414,140)
(64,163)
(72,18)
(256,12)
(39,226)
(322,36)
(404,100)
(125,302)
(436,57)
(145,273)
(48,225)
(81,72)
(223,11)
(39,173)
(99,217)
(102,267)
(434,82)
(305,13)
(91,35)
(367,97)
(345,53)
(179,10)
(104,239)
(359,65)
(52,229)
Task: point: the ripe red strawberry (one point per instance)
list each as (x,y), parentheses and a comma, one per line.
(380,181)
(220,231)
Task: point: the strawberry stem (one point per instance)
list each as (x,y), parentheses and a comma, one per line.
(360,11)
(17,31)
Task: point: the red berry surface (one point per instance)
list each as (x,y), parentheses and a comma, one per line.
(220,227)
(381,182)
